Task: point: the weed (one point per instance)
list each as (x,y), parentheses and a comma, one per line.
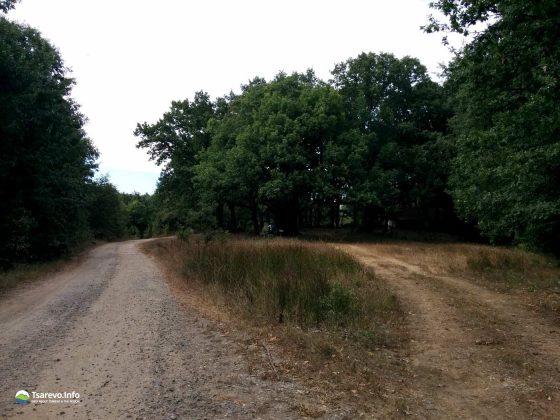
(508,267)
(282,281)
(27,272)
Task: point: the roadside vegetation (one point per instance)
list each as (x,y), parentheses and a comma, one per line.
(111,216)
(27,272)
(23,273)
(534,277)
(321,306)
(508,267)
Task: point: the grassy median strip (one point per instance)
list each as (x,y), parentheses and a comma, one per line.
(286,281)
(329,314)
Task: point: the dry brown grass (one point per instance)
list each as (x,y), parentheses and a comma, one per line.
(351,359)
(533,277)
(24,273)
(509,267)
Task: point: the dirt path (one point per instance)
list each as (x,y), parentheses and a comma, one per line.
(474,353)
(112,331)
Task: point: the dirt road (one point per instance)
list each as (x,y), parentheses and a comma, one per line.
(111,330)
(475,353)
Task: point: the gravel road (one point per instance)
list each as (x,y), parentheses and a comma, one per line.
(111,330)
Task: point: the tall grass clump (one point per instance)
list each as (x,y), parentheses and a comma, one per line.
(26,272)
(517,267)
(285,281)
(507,267)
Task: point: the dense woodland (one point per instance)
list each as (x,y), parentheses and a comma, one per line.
(379,144)
(381,141)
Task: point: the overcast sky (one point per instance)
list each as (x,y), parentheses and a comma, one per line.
(131,58)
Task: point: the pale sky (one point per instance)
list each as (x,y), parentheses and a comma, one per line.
(131,58)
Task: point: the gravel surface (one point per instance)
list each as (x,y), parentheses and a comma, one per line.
(111,330)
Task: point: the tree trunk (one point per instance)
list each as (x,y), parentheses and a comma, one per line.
(286,216)
(233,218)
(255,219)
(220,215)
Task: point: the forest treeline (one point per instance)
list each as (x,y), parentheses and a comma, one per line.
(380,143)
(50,200)
(297,151)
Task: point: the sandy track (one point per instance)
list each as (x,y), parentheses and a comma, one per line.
(112,330)
(474,353)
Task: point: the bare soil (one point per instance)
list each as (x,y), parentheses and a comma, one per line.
(474,352)
(127,337)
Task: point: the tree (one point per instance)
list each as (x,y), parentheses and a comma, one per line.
(268,151)
(397,118)
(6,5)
(175,142)
(505,83)
(140,215)
(46,159)
(107,212)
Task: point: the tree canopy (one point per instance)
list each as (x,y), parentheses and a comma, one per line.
(6,5)
(506,94)
(298,151)
(47,160)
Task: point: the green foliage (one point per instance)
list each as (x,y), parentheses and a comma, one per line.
(46,160)
(175,141)
(463,15)
(505,84)
(184,234)
(139,214)
(107,212)
(295,151)
(269,149)
(6,5)
(339,304)
(397,117)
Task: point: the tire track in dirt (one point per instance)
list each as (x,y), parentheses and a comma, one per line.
(475,353)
